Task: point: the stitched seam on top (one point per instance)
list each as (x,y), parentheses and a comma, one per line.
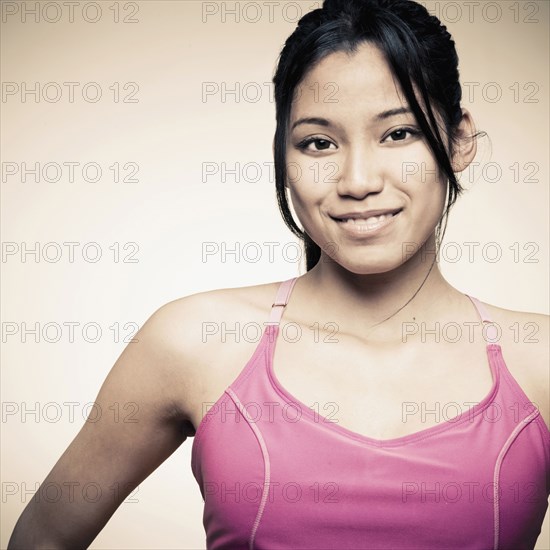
(251,366)
(517,390)
(496,507)
(539,421)
(267,468)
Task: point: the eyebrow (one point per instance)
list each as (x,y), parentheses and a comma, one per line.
(325,122)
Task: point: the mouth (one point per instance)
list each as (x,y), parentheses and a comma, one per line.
(368,220)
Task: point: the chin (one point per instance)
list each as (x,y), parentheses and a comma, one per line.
(366,266)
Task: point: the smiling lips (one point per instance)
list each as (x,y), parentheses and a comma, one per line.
(368,220)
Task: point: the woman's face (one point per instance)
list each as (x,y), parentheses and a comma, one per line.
(353,153)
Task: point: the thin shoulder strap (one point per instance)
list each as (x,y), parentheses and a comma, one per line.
(281,300)
(491,330)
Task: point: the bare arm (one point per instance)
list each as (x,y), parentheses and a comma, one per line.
(114,455)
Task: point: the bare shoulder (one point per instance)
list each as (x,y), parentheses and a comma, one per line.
(201,340)
(187,321)
(525,342)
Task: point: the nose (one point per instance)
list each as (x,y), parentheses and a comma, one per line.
(360,173)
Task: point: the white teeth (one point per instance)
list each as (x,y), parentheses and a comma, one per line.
(369,222)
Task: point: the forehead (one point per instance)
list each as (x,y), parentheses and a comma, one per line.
(347,81)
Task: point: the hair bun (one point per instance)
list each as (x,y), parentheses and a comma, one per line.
(348,6)
(335,6)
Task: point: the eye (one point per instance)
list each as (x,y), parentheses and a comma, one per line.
(400,134)
(322,144)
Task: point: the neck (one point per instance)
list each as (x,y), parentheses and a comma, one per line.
(382,301)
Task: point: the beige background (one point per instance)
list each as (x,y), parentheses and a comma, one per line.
(170,212)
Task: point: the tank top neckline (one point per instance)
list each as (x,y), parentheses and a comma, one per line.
(493,354)
(266,349)
(271,333)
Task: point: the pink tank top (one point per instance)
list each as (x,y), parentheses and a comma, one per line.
(276,474)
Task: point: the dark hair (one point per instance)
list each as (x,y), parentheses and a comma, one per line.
(418,49)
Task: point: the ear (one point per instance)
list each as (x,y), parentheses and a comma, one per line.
(466,146)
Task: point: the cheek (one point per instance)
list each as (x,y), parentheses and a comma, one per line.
(420,177)
(302,172)
(305,188)
(427,204)
(303,201)
(425,185)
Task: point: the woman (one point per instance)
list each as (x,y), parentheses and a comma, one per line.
(370,138)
